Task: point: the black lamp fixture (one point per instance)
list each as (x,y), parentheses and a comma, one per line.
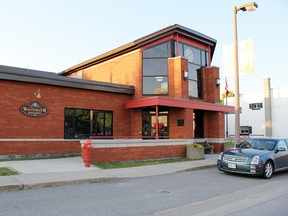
(217,81)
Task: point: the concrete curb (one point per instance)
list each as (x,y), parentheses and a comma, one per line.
(26,186)
(63,183)
(41,178)
(199,168)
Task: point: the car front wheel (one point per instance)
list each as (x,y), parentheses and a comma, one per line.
(268,170)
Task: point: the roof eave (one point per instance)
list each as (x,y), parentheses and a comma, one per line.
(41,77)
(141,42)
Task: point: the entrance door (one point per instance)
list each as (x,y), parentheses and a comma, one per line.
(162,125)
(149,124)
(198,116)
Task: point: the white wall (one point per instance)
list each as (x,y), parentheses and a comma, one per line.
(248,117)
(279,104)
(256,118)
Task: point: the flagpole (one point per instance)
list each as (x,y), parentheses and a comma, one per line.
(226,120)
(226,93)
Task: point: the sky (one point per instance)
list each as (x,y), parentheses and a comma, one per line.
(53,35)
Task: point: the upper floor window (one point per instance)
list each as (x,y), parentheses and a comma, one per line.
(196,59)
(155,69)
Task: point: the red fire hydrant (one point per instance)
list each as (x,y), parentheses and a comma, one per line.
(87,152)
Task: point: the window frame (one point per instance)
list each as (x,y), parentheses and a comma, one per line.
(162,90)
(92,123)
(203,62)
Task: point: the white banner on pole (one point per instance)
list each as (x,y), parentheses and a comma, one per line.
(245,58)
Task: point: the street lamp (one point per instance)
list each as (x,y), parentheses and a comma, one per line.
(246,7)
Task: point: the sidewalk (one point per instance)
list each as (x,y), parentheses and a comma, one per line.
(54,172)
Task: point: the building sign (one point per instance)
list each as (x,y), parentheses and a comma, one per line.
(34,109)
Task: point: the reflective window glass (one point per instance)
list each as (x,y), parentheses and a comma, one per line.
(193,88)
(282,144)
(80,123)
(196,58)
(155,67)
(203,58)
(108,124)
(180,49)
(160,50)
(69,123)
(193,71)
(192,54)
(99,118)
(155,85)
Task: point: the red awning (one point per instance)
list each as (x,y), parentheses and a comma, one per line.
(180,103)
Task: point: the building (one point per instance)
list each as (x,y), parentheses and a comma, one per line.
(166,75)
(263,112)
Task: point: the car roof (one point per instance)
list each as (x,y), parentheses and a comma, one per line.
(267,138)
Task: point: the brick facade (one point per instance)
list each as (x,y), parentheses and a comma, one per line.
(128,150)
(32,147)
(122,67)
(127,122)
(15,125)
(137,153)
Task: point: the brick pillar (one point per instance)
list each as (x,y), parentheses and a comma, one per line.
(136,122)
(181,131)
(211,92)
(178,86)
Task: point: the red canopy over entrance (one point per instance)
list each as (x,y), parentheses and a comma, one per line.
(180,103)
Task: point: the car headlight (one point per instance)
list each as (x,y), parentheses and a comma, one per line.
(255,160)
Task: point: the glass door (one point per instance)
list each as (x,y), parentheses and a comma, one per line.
(162,125)
(149,124)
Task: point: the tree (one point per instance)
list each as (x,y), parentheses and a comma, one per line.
(223,96)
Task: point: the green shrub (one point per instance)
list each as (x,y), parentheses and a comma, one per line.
(229,144)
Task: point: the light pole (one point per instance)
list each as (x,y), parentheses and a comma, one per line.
(246,7)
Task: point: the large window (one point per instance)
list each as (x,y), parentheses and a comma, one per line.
(155,69)
(81,123)
(196,59)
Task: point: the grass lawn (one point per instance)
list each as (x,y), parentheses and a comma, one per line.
(126,164)
(4,171)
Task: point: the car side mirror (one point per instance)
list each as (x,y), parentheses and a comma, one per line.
(281,149)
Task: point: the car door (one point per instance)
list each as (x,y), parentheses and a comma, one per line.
(281,155)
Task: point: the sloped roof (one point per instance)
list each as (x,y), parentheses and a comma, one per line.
(49,78)
(141,42)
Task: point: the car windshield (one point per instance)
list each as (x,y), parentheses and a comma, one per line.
(258,144)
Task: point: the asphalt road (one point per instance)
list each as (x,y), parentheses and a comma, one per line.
(200,192)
